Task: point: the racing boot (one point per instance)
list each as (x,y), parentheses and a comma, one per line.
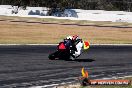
(72,57)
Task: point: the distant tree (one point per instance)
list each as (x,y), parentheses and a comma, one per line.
(61,5)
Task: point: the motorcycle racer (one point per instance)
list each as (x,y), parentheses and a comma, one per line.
(70,48)
(77,44)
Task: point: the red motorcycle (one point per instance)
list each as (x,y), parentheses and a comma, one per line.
(63,52)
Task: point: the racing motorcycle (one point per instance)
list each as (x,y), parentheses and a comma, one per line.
(65,52)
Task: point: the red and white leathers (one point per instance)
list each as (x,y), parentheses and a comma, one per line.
(77,43)
(78,46)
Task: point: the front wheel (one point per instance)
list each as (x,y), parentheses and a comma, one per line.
(54,55)
(51,57)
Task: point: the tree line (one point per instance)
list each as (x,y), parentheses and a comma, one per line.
(116,5)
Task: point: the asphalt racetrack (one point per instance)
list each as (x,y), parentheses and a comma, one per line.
(27,66)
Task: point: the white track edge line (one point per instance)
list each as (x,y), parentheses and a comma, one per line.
(57,44)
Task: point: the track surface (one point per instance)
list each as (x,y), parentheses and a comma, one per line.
(26,66)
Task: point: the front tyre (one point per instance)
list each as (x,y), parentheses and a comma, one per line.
(54,55)
(51,56)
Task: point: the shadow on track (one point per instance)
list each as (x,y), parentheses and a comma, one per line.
(84,60)
(79,60)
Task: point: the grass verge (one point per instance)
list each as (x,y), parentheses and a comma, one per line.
(37,33)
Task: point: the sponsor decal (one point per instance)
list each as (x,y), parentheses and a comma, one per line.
(86,45)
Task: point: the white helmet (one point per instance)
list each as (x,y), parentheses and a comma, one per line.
(69,37)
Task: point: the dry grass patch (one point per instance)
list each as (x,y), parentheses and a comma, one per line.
(34,33)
